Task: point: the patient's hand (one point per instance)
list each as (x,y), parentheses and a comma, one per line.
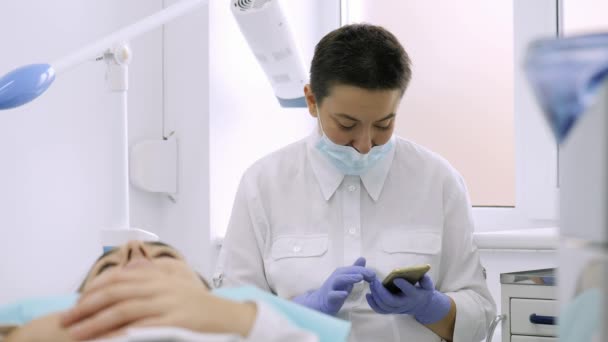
(47,328)
(148,297)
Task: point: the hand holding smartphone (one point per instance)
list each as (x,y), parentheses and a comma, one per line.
(412,274)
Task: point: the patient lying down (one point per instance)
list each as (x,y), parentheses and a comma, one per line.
(150,285)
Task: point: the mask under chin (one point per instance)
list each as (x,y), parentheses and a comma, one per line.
(348,160)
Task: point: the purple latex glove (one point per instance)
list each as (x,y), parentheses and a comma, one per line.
(426,304)
(334,291)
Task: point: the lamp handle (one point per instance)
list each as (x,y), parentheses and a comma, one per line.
(95,49)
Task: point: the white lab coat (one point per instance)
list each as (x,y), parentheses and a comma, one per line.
(296,218)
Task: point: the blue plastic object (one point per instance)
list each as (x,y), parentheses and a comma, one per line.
(24,311)
(542,320)
(327,328)
(580,319)
(565,75)
(330,297)
(426,304)
(24,84)
(299,102)
(350,161)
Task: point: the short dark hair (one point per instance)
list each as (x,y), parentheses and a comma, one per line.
(361,55)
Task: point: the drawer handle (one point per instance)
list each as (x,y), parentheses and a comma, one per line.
(545,320)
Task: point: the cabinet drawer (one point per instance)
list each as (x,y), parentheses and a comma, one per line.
(515,338)
(523,308)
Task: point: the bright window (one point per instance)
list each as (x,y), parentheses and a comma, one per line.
(584,16)
(469,100)
(462,88)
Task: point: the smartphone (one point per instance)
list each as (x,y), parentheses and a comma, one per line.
(412,274)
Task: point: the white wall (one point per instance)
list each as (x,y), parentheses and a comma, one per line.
(584,16)
(57,151)
(185,223)
(246,121)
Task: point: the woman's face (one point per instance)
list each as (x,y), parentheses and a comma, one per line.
(356,117)
(137,254)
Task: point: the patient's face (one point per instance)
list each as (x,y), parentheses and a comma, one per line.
(138,254)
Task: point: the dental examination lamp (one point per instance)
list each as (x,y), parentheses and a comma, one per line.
(261,22)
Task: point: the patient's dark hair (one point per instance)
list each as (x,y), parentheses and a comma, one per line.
(81,287)
(361,55)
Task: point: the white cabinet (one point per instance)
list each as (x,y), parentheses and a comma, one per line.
(533,339)
(526,314)
(530,305)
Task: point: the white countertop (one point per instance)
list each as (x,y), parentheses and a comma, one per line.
(528,239)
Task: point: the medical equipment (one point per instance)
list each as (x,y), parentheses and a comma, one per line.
(261,21)
(154,163)
(265,28)
(346,158)
(350,161)
(570,79)
(566,75)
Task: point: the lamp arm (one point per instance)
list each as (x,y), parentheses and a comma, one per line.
(96,49)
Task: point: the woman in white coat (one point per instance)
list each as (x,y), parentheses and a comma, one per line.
(324,220)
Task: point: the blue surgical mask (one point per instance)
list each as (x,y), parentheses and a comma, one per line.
(348,160)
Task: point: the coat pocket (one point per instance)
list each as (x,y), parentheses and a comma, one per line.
(412,241)
(405,247)
(299,246)
(297,264)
